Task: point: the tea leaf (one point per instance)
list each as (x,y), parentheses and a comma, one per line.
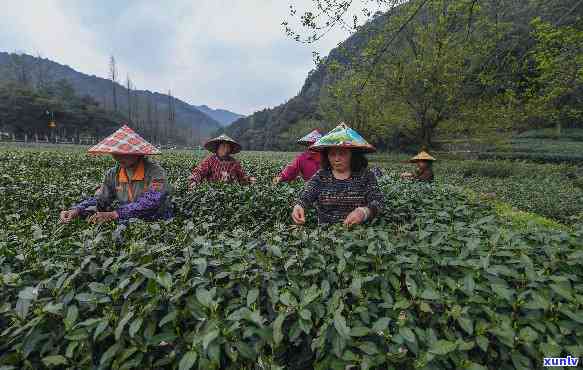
(188,360)
(340,325)
(442,347)
(54,360)
(122,323)
(165,280)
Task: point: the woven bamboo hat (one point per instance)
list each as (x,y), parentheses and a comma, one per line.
(213,144)
(422,156)
(343,137)
(124,141)
(311,138)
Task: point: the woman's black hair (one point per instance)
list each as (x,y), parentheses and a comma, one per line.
(358,161)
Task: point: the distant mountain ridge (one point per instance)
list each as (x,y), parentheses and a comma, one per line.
(186,115)
(223,116)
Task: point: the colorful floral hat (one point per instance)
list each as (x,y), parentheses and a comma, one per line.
(311,138)
(213,144)
(422,156)
(344,137)
(124,141)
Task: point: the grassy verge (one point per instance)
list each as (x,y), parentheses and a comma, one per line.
(520,220)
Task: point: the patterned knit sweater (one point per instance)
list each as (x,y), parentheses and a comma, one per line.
(213,168)
(334,199)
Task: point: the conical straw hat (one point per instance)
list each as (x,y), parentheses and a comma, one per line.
(213,144)
(310,138)
(124,141)
(343,137)
(422,156)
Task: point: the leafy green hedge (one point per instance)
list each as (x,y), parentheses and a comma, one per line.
(489,169)
(551,133)
(574,158)
(437,282)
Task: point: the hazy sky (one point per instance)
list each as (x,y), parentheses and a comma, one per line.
(230,54)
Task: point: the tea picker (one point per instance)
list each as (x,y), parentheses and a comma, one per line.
(305,164)
(424,171)
(220,166)
(136,187)
(344,190)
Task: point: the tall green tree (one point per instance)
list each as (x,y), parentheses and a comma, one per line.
(453,67)
(555,92)
(424,80)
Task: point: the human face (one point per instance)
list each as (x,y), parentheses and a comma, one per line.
(340,159)
(127,160)
(422,165)
(224,149)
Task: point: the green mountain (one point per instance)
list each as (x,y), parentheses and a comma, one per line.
(276,128)
(161,116)
(508,58)
(223,116)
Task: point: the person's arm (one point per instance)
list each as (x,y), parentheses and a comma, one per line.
(103,196)
(311,192)
(240,175)
(148,202)
(200,172)
(82,207)
(306,199)
(291,171)
(145,206)
(375,198)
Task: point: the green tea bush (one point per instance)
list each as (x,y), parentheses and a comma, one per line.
(436,282)
(549,190)
(545,157)
(489,169)
(551,133)
(552,196)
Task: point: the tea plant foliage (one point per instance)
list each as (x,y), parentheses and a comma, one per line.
(438,281)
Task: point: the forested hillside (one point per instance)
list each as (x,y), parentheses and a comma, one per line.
(431,70)
(85,105)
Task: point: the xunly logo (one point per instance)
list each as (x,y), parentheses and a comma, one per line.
(560,361)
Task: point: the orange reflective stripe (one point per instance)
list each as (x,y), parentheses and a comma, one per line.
(139,172)
(122,176)
(138,175)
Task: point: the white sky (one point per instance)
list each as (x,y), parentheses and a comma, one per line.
(230,54)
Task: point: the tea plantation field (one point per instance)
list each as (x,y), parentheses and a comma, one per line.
(442,280)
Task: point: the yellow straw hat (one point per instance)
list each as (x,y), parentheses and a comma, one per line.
(422,156)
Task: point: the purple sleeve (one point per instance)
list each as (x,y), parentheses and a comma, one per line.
(144,207)
(82,207)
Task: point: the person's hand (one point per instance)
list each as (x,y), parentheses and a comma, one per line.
(276,180)
(252,180)
(101,217)
(356,217)
(69,215)
(299,215)
(406,175)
